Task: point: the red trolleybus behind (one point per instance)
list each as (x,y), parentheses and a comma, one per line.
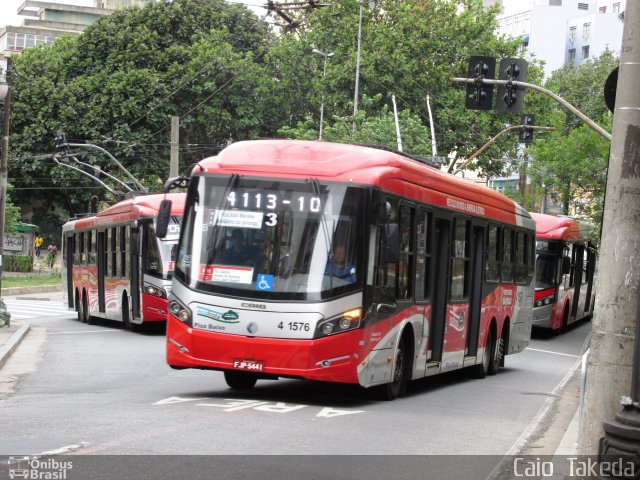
(114,266)
(345,264)
(565,267)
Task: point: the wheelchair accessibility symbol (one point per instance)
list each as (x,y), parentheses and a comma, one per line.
(264,282)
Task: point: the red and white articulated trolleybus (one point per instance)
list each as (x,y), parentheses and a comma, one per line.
(346,264)
(565,268)
(114,266)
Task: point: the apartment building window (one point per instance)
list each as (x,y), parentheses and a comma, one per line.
(586,30)
(603,10)
(526,24)
(583,6)
(572,33)
(615,8)
(585,52)
(516,25)
(555,3)
(572,56)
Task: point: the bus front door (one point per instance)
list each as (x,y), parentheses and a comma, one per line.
(101,262)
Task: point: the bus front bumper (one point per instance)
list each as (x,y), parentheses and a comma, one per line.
(330,359)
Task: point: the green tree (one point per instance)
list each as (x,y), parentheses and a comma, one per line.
(409,48)
(118,84)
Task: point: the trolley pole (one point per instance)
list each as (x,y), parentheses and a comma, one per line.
(612,376)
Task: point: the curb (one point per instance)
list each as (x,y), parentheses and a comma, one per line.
(7,348)
(12,291)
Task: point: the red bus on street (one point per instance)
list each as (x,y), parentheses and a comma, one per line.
(113,265)
(565,268)
(346,263)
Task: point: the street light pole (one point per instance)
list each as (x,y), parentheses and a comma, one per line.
(355,94)
(326,55)
(5,95)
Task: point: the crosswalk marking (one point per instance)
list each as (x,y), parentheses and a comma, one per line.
(23,310)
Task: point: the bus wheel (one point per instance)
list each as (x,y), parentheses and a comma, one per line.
(481,370)
(401,371)
(87,315)
(496,357)
(126,322)
(240,380)
(79,309)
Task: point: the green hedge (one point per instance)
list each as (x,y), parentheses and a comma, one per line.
(17,263)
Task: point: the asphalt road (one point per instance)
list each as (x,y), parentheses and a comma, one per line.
(98,390)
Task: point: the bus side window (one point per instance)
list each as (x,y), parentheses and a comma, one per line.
(492,267)
(460,260)
(531,252)
(506,269)
(521,258)
(114,252)
(405,262)
(423,255)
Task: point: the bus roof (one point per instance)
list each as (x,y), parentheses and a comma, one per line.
(549,227)
(385,169)
(131,209)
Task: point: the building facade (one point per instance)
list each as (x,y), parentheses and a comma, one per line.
(562,32)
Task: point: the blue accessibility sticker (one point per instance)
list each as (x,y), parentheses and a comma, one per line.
(264,282)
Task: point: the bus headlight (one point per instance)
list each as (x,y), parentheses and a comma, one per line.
(155,291)
(541,302)
(349,320)
(179,311)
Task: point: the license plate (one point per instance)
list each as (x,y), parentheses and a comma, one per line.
(252,365)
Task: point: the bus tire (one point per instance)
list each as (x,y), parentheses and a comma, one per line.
(401,372)
(565,319)
(126,321)
(482,369)
(240,380)
(78,306)
(496,356)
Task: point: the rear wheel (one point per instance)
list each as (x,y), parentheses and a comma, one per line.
(87,315)
(240,380)
(496,356)
(79,308)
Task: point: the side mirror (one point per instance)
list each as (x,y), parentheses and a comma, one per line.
(566,265)
(175,182)
(164,215)
(392,242)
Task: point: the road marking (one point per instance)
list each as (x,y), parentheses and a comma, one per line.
(83,331)
(67,449)
(554,353)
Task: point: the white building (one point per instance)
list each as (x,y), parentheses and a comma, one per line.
(563,31)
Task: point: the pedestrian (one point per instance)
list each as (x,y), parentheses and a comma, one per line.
(53,251)
(38,243)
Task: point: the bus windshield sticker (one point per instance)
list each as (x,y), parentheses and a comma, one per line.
(264,282)
(169,266)
(226,274)
(236,218)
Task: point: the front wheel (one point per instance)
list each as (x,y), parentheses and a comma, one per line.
(240,380)
(398,384)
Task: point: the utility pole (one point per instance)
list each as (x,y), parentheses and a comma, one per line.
(614,336)
(4,161)
(175,139)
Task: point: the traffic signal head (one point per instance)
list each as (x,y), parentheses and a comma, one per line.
(61,140)
(526,134)
(479,95)
(511,97)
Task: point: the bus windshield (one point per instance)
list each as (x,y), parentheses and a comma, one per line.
(160,254)
(272,239)
(545,271)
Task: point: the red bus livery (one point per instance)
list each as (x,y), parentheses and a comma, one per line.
(565,268)
(345,264)
(114,266)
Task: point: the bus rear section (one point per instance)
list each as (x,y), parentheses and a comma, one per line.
(115,267)
(346,264)
(565,272)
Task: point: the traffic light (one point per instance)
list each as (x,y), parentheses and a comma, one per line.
(526,134)
(61,140)
(511,97)
(479,95)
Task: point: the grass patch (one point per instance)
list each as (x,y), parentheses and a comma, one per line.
(32,281)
